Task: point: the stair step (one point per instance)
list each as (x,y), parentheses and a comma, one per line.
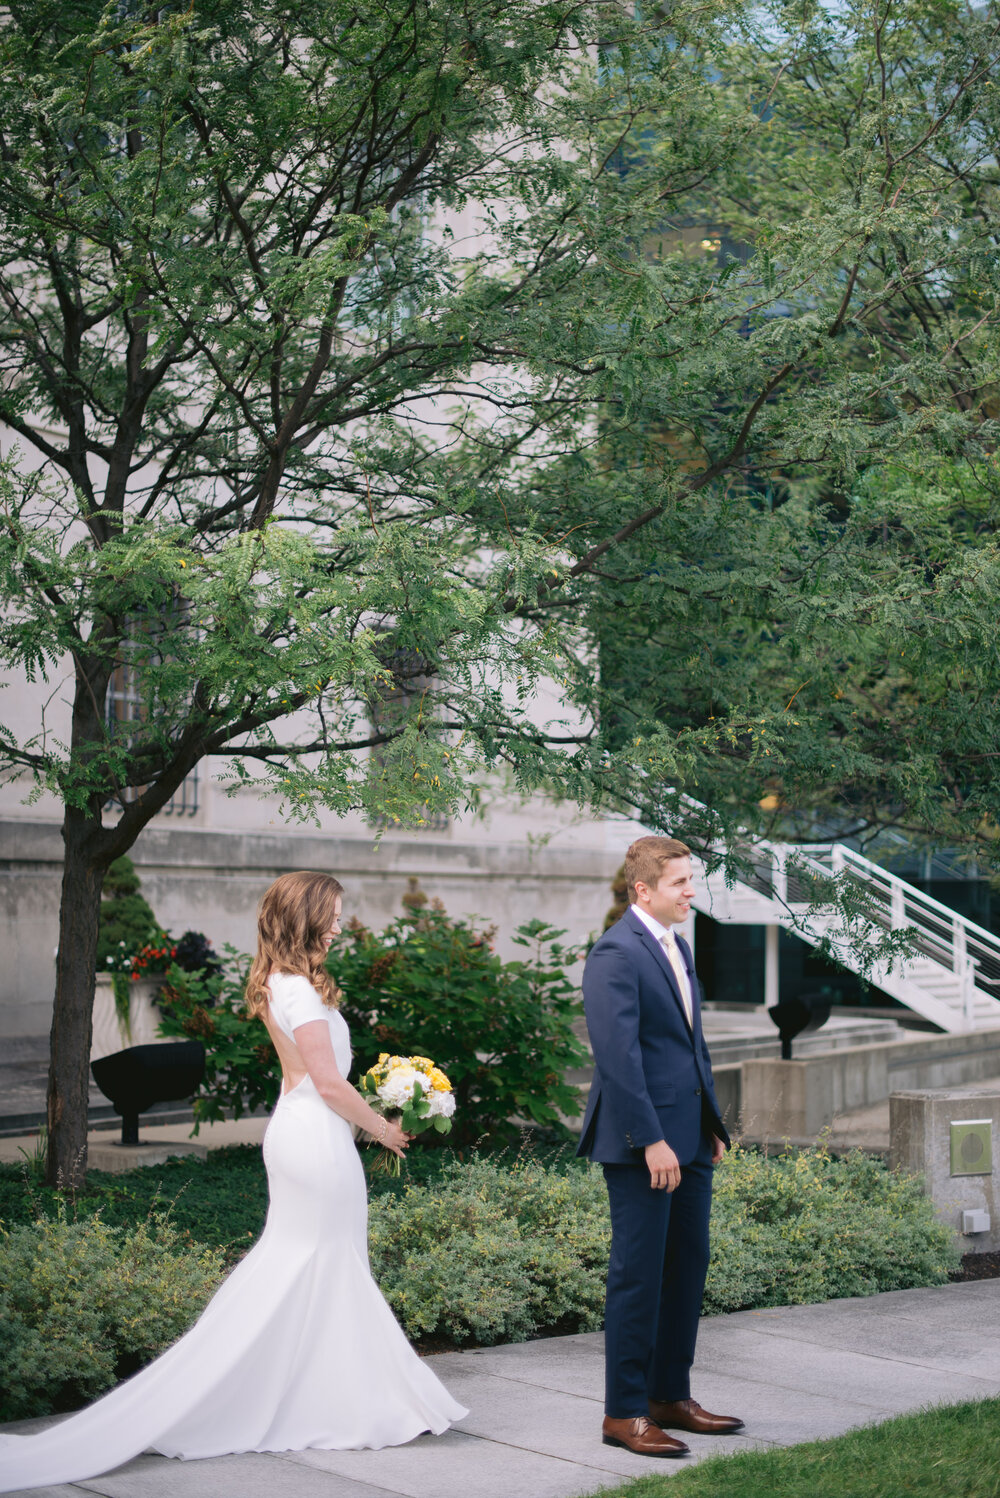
(924,983)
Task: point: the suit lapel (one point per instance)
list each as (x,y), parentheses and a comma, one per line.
(652,945)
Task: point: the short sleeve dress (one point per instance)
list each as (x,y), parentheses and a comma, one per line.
(297,1349)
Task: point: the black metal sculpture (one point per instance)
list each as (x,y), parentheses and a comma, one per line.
(136,1078)
(798,1017)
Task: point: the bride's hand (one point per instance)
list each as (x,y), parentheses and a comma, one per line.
(395,1139)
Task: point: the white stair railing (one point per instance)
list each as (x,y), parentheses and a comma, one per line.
(948,938)
(953,974)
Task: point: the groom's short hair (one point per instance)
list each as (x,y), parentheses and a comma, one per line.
(645,859)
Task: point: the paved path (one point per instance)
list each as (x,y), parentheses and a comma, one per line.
(795,1374)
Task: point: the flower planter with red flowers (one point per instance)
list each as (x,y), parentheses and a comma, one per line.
(125,1012)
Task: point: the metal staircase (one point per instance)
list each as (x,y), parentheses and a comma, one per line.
(952,976)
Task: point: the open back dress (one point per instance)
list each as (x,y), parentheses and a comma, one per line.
(297,1349)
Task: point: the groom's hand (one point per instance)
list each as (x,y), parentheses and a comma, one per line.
(663,1165)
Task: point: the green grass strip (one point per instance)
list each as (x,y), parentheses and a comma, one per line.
(949,1451)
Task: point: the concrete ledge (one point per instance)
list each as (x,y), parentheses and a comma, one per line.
(796,1099)
(115,1158)
(212,881)
(203,851)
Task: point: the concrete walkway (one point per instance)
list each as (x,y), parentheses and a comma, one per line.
(795,1374)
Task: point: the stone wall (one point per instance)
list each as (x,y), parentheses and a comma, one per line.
(211,882)
(796,1099)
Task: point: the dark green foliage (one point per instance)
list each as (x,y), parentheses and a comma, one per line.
(195,954)
(220,1201)
(126,915)
(121,879)
(431,985)
(242,1071)
(619,891)
(951,1451)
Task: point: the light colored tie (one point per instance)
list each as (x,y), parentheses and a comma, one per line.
(669,944)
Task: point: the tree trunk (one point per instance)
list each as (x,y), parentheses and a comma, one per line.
(69,1065)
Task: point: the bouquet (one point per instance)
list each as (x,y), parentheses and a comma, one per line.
(414,1091)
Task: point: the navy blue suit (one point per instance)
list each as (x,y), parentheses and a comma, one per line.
(653,1080)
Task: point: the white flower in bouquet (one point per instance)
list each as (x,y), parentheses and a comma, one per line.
(442,1104)
(399,1086)
(413,1089)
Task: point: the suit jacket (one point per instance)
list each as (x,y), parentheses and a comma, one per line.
(653,1077)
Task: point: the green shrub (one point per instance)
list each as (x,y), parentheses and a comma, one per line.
(242,1071)
(503,1031)
(494,1253)
(495,1248)
(798,1228)
(430,986)
(803,1226)
(83,1304)
(126,915)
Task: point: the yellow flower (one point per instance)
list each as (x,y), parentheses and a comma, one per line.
(439,1082)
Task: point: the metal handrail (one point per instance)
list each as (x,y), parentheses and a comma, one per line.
(951,940)
(906,905)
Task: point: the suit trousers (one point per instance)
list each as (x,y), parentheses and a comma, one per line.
(656,1279)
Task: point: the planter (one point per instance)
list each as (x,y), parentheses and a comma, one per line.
(135,1078)
(109,1035)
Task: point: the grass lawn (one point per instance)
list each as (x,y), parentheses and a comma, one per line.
(949,1452)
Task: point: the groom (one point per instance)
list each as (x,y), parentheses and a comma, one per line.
(653,1123)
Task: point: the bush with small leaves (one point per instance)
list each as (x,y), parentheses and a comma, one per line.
(493,1253)
(127,919)
(487,1249)
(83,1304)
(804,1226)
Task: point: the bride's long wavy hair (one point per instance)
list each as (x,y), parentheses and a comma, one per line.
(292,918)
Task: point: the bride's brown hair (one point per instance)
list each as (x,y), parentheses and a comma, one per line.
(292,918)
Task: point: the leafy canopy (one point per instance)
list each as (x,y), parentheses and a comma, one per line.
(371,365)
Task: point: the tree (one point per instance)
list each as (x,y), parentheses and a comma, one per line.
(837,595)
(368,363)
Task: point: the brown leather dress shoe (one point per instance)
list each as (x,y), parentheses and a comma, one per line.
(642,1436)
(687,1414)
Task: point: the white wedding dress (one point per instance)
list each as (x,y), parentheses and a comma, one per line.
(297,1349)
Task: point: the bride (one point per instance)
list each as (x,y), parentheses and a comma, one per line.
(298,1348)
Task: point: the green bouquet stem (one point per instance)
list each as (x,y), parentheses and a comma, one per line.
(387,1162)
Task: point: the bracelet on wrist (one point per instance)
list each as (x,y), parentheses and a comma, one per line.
(382,1130)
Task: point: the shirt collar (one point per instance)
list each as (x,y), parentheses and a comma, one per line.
(652,924)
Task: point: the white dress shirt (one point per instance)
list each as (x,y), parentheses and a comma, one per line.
(665,936)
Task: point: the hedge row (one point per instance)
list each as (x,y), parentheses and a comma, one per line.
(485,1250)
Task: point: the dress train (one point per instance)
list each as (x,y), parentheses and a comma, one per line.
(297,1349)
